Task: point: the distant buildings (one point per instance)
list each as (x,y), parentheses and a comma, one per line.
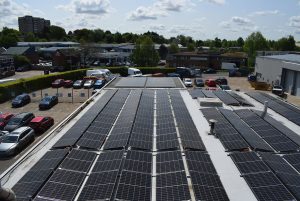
(6,66)
(31,24)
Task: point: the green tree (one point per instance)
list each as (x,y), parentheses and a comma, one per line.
(144,53)
(256,41)
(9,37)
(20,60)
(240,42)
(286,44)
(29,37)
(56,33)
(191,47)
(217,42)
(163,51)
(173,48)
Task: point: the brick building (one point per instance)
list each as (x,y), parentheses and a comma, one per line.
(32,24)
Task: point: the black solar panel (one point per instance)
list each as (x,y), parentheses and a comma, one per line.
(294,160)
(180,192)
(226,98)
(274,193)
(244,157)
(262,179)
(169,162)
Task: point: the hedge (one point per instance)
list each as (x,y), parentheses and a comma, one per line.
(36,83)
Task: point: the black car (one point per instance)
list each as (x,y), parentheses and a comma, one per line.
(21,100)
(210,71)
(221,81)
(18,121)
(199,82)
(48,102)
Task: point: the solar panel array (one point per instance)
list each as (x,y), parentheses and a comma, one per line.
(228,97)
(146,135)
(262,181)
(279,141)
(227,134)
(278,106)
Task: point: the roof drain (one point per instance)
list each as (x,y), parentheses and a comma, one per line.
(263,114)
(7,194)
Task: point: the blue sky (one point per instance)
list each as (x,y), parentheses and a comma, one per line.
(201,19)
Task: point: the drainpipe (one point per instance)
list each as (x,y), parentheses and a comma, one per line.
(265,110)
(7,194)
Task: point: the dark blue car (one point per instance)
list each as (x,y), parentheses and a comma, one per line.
(21,100)
(99,84)
(48,102)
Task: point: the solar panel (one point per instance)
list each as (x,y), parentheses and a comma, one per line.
(276,193)
(244,157)
(262,179)
(169,162)
(180,192)
(96,192)
(131,82)
(108,165)
(153,82)
(226,98)
(209,193)
(294,160)
(196,93)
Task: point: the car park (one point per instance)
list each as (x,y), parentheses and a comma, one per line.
(187,82)
(4,118)
(16,141)
(210,83)
(58,83)
(18,121)
(68,83)
(40,124)
(48,102)
(21,100)
(225,87)
(199,82)
(221,81)
(78,84)
(99,84)
(88,84)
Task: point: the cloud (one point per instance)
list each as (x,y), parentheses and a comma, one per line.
(241,21)
(4,3)
(237,24)
(294,21)
(264,13)
(157,27)
(219,2)
(89,7)
(160,8)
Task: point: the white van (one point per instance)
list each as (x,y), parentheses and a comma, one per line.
(134,72)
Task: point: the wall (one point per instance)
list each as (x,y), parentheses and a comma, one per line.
(268,70)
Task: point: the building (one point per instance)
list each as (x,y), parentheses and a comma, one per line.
(66,59)
(31,24)
(38,45)
(206,59)
(281,70)
(28,52)
(7,67)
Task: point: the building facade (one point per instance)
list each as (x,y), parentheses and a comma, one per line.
(7,67)
(31,24)
(281,70)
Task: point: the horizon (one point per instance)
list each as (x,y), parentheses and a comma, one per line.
(208,19)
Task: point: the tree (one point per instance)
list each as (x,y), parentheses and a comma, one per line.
(286,44)
(256,41)
(224,43)
(56,33)
(240,42)
(29,37)
(217,42)
(191,47)
(163,51)
(20,60)
(9,37)
(173,48)
(144,53)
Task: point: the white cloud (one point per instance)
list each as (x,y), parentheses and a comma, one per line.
(220,2)
(158,9)
(241,21)
(156,27)
(237,24)
(89,7)
(294,21)
(264,13)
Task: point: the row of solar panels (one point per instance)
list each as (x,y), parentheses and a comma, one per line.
(126,174)
(288,111)
(228,97)
(243,129)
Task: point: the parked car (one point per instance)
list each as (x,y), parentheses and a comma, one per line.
(4,118)
(225,87)
(278,90)
(88,84)
(2,134)
(199,82)
(210,71)
(187,82)
(252,78)
(221,81)
(18,121)
(210,83)
(68,83)
(48,102)
(99,84)
(21,100)
(40,124)
(16,141)
(78,84)
(58,83)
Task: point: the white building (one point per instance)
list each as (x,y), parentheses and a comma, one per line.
(280,69)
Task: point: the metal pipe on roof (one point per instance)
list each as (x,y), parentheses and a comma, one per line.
(7,194)
(263,114)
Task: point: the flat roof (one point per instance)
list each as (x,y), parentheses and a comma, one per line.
(286,57)
(155,144)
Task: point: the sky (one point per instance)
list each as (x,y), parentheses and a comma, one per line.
(200,19)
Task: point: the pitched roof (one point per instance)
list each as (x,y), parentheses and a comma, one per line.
(16,50)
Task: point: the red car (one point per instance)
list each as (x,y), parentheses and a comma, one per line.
(210,83)
(58,83)
(40,124)
(4,118)
(68,83)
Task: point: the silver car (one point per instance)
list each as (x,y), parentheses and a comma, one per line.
(16,141)
(2,134)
